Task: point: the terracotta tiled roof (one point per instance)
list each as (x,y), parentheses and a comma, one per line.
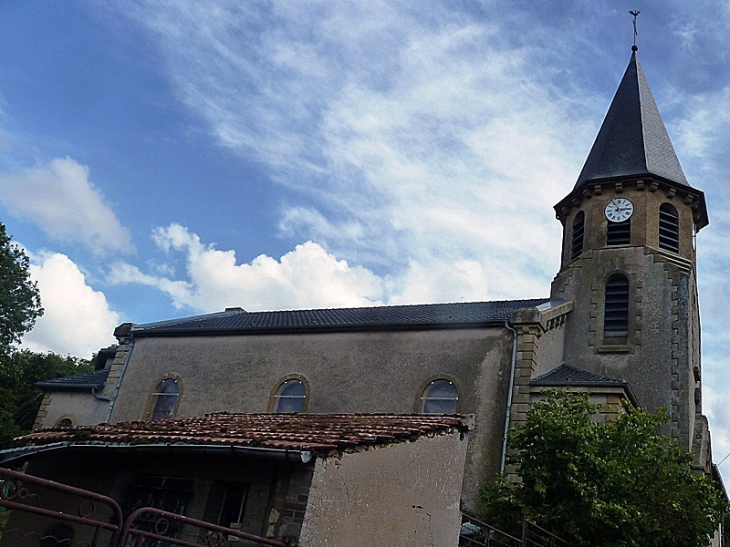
(321,433)
(463,314)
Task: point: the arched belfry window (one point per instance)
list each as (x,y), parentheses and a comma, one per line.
(616,310)
(165,399)
(668,228)
(439,397)
(290,396)
(618,233)
(576,235)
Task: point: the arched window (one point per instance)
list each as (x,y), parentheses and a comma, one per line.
(668,228)
(165,399)
(439,397)
(576,236)
(290,396)
(618,233)
(64,422)
(616,310)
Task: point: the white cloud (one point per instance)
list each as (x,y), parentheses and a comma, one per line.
(310,277)
(77,319)
(306,277)
(414,137)
(62,201)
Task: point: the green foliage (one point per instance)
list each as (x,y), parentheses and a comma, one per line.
(614,484)
(20,306)
(19,398)
(20,302)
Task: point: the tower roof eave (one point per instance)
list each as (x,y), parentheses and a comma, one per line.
(695,197)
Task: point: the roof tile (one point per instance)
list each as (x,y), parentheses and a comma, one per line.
(321,433)
(565,375)
(410,316)
(80,382)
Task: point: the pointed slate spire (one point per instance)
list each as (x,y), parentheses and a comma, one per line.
(632,139)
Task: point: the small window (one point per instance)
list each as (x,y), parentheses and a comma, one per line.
(165,399)
(618,233)
(439,397)
(576,239)
(64,422)
(290,396)
(668,228)
(616,310)
(234,506)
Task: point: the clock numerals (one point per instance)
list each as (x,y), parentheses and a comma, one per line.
(619,210)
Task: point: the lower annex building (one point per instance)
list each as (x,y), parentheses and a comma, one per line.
(402,411)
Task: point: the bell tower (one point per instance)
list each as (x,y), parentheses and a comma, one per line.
(628,263)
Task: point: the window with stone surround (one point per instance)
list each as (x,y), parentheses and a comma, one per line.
(290,396)
(616,310)
(576,235)
(668,228)
(439,397)
(618,233)
(165,398)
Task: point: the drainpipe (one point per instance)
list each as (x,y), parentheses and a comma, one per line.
(513,364)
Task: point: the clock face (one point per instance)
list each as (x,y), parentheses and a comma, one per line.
(619,210)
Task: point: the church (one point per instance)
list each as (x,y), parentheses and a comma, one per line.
(374,426)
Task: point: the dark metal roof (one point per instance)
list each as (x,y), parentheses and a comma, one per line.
(320,433)
(81,382)
(566,376)
(420,316)
(633,139)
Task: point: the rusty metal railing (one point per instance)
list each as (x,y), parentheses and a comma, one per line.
(536,536)
(202,533)
(476,532)
(100,516)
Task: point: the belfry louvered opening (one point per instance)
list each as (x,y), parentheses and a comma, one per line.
(616,310)
(668,228)
(618,233)
(576,237)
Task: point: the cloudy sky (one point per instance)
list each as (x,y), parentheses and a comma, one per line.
(167,158)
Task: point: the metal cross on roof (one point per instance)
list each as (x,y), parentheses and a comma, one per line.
(635,13)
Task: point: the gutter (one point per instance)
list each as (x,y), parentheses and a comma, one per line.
(12,455)
(100,397)
(508,414)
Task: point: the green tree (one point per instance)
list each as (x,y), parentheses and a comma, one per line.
(613,484)
(20,302)
(19,398)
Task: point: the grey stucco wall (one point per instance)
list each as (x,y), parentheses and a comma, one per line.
(379,497)
(346,373)
(79,407)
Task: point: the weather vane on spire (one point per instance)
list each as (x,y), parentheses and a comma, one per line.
(635,13)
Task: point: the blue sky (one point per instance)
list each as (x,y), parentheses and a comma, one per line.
(161,159)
